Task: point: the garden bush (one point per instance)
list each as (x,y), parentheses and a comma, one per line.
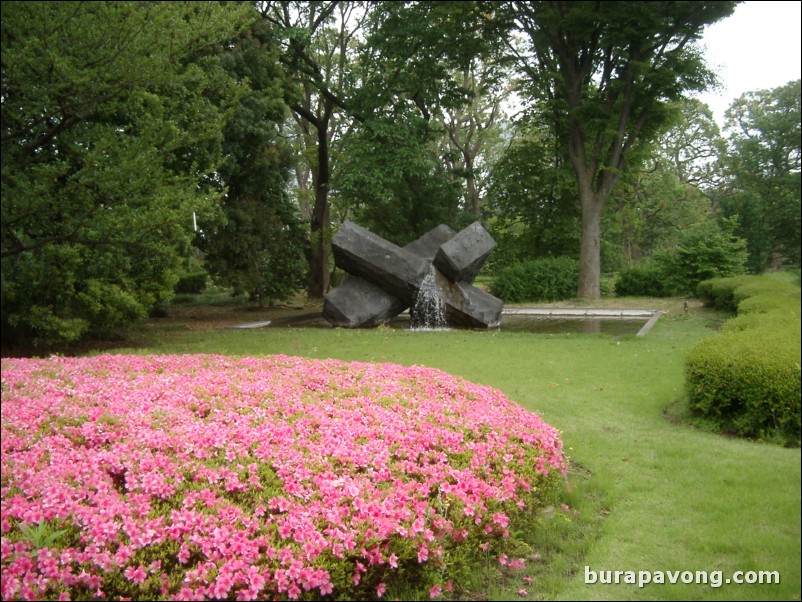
(547,279)
(728,293)
(747,379)
(706,250)
(192,284)
(197,476)
(647,279)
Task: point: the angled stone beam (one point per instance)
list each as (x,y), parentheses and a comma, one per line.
(467,305)
(463,255)
(360,252)
(357,303)
(429,244)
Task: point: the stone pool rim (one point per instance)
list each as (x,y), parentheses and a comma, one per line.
(650,315)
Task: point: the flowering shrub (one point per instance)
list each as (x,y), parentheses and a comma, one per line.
(199,476)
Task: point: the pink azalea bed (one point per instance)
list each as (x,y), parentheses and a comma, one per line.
(213,477)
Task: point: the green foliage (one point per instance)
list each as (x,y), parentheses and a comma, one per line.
(258,249)
(764,166)
(109,142)
(392,181)
(393,174)
(192,284)
(46,534)
(533,199)
(747,379)
(549,279)
(705,250)
(728,293)
(668,191)
(646,279)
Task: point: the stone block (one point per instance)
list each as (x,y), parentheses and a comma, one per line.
(357,303)
(362,253)
(461,257)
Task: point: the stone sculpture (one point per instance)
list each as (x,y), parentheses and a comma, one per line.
(432,276)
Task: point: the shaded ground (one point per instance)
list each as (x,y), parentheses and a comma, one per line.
(224,315)
(220,310)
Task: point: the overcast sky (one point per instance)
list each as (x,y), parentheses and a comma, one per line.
(757,48)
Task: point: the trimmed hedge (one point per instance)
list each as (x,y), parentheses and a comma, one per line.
(193,283)
(547,279)
(747,378)
(647,279)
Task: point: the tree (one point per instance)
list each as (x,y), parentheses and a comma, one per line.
(764,170)
(472,131)
(111,121)
(393,180)
(417,76)
(532,197)
(603,73)
(259,248)
(317,37)
(675,185)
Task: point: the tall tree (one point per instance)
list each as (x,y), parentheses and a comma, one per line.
(764,169)
(604,73)
(472,130)
(675,185)
(111,121)
(258,249)
(416,71)
(317,39)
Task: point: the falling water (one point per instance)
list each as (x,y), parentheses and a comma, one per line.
(430,309)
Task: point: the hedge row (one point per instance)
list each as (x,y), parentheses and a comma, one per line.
(746,380)
(547,279)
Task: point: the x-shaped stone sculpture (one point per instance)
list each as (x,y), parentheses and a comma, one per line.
(386,279)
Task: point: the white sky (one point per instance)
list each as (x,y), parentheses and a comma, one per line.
(756,48)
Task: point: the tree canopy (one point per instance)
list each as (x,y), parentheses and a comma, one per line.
(763,166)
(603,74)
(564,126)
(112,114)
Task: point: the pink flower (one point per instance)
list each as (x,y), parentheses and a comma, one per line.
(351,454)
(501,519)
(435,591)
(523,592)
(380,589)
(137,575)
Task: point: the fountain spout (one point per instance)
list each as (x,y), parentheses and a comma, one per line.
(429,310)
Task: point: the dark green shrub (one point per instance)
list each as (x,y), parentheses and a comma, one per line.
(704,251)
(746,380)
(728,293)
(647,279)
(192,284)
(548,279)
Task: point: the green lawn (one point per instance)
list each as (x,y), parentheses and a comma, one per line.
(646,493)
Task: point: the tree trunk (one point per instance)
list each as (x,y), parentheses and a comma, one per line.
(320,224)
(474,202)
(590,245)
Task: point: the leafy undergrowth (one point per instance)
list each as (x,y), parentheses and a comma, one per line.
(205,476)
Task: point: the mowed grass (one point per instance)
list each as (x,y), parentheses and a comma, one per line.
(646,493)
